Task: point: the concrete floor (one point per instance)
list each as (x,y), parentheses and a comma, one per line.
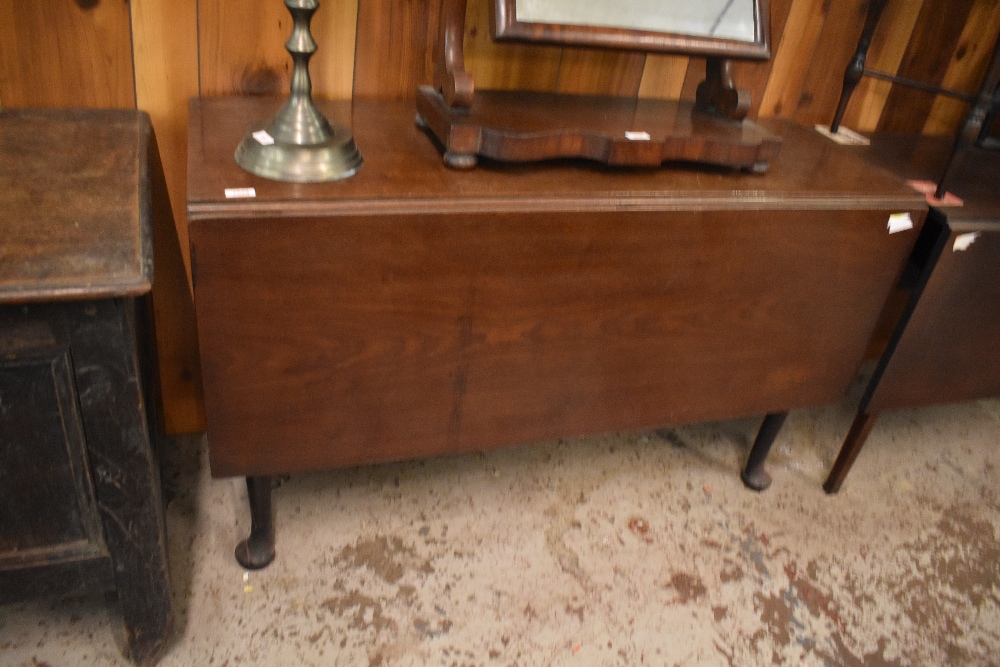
(630,549)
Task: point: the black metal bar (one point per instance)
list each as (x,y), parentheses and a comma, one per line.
(920,85)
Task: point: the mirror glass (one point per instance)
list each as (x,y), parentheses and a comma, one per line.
(719,19)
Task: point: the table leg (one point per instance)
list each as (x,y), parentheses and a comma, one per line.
(113,384)
(257,551)
(754,475)
(855,439)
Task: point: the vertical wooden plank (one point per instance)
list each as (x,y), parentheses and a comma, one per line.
(932,46)
(395,47)
(506,65)
(165,38)
(242,51)
(242,47)
(753,76)
(795,53)
(61,53)
(599,72)
(693,78)
(663,76)
(885,55)
(838,38)
(165,34)
(335,28)
(967,68)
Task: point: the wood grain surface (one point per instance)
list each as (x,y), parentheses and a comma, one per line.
(412,310)
(966,70)
(932,45)
(793,57)
(833,48)
(594,72)
(65,53)
(173,308)
(166,75)
(947,352)
(754,75)
(521,126)
(84,52)
(242,48)
(663,76)
(74,213)
(395,41)
(403,170)
(507,66)
(472,338)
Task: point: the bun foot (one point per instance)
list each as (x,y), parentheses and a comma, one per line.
(758,480)
(255,554)
(460,160)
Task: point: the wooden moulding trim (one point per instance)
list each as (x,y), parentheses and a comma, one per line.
(676,201)
(83,552)
(506,27)
(88,292)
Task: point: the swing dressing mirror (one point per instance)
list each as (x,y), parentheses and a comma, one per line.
(523,126)
(730,28)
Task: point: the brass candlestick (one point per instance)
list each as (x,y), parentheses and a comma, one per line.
(298,144)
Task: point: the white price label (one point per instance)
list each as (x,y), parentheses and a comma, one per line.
(963,241)
(900,222)
(263,138)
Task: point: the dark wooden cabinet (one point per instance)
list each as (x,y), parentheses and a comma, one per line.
(944,346)
(413,310)
(80,502)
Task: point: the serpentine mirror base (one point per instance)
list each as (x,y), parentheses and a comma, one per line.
(526,127)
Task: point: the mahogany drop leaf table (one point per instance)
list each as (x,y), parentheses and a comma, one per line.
(413,310)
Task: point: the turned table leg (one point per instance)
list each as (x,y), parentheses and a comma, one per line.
(754,475)
(855,439)
(257,551)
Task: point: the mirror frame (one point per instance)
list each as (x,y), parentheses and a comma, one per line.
(505,27)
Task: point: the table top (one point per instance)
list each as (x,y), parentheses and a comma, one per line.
(403,173)
(976,182)
(74,215)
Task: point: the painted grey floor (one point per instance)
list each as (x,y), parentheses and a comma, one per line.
(629,549)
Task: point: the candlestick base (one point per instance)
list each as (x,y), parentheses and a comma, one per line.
(331,159)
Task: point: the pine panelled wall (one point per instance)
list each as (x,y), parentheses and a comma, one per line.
(155,54)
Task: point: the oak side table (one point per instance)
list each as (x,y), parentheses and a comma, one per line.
(413,310)
(80,503)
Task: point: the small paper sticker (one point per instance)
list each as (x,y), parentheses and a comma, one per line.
(637,136)
(843,136)
(900,222)
(963,241)
(263,138)
(240,193)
